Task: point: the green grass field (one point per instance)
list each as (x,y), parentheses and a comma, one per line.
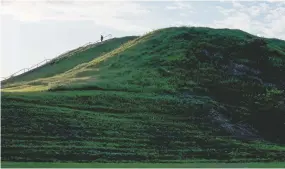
(141,165)
(176,94)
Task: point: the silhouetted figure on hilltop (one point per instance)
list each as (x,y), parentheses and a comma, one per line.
(101,38)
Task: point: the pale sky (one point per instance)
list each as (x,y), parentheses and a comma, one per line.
(34,30)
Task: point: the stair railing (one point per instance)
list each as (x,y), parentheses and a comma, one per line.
(86,46)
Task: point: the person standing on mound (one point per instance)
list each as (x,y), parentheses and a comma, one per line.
(101,38)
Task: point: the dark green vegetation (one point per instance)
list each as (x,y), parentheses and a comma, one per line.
(173,95)
(140,165)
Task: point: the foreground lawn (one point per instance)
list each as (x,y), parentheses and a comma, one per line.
(140,165)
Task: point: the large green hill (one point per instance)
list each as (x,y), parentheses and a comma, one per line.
(173,95)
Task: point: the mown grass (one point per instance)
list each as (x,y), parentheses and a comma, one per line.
(149,101)
(141,165)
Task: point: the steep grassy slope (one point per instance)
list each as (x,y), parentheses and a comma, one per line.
(71,60)
(176,94)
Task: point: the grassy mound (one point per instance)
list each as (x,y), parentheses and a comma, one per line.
(173,95)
